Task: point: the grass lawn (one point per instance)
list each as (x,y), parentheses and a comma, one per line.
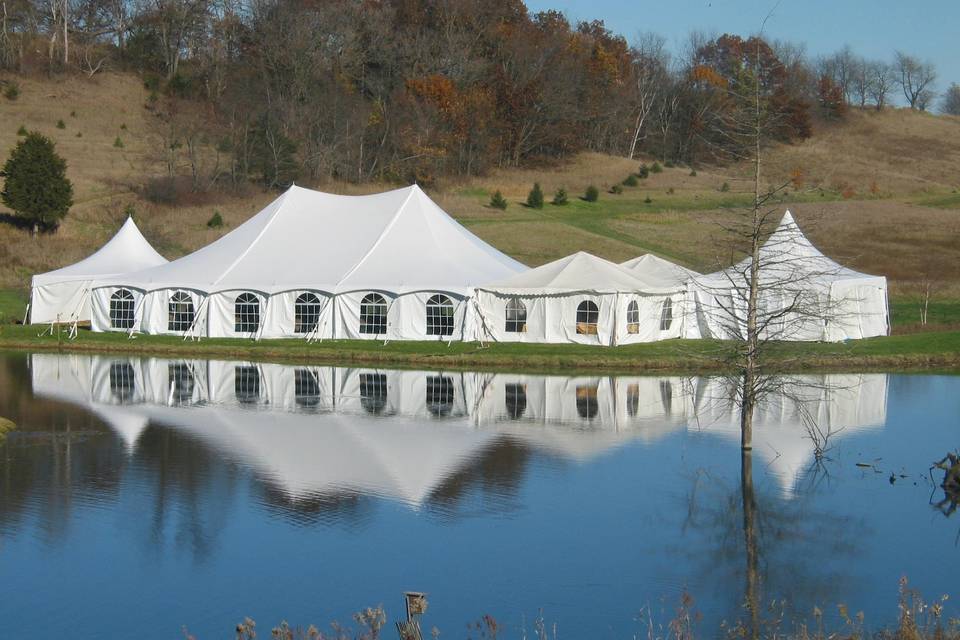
(12,305)
(915,351)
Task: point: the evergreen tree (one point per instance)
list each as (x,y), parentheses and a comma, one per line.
(560,197)
(498,201)
(535,199)
(36,185)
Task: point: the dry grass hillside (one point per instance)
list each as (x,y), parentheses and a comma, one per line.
(878,191)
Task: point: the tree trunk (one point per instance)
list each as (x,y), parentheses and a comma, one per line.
(752,582)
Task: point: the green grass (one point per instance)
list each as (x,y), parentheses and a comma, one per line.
(12,305)
(940,201)
(916,351)
(904,312)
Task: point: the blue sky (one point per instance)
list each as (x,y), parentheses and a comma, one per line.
(928,29)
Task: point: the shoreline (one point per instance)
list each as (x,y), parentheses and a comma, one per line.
(921,352)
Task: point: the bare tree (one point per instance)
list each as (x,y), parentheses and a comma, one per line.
(861,82)
(916,79)
(650,62)
(951,100)
(881,84)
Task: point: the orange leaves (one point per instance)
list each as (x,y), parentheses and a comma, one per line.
(706,74)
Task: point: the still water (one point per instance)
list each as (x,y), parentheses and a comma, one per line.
(154,495)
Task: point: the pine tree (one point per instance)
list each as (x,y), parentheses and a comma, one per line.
(535,199)
(36,185)
(498,201)
(560,198)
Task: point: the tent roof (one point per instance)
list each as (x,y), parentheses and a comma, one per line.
(397,240)
(126,251)
(655,269)
(789,258)
(579,272)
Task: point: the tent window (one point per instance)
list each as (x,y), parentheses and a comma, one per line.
(181,382)
(246,384)
(516,314)
(587,404)
(121,309)
(180,312)
(633,317)
(439,316)
(373,314)
(122,381)
(439,395)
(666,315)
(306,313)
(306,388)
(515,397)
(373,392)
(587,316)
(246,313)
(666,396)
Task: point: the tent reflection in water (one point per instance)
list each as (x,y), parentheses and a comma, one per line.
(64,295)
(402,434)
(390,265)
(582,299)
(821,300)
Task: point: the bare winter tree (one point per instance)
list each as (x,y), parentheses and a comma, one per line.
(881,84)
(951,100)
(861,82)
(650,61)
(915,78)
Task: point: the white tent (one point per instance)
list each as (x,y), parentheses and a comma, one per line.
(64,295)
(580,298)
(668,274)
(835,303)
(391,265)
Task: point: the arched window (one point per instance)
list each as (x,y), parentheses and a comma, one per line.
(306,313)
(439,395)
(121,309)
(515,397)
(633,317)
(246,384)
(587,316)
(587,404)
(373,392)
(439,316)
(666,314)
(180,312)
(122,381)
(516,315)
(246,313)
(373,314)
(633,400)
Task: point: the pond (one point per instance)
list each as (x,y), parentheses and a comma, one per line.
(149,496)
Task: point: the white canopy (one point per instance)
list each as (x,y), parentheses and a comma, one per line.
(399,241)
(657,270)
(837,303)
(64,294)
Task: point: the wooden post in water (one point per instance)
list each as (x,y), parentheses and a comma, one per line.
(416,605)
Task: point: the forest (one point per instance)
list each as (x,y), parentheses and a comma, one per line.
(420,90)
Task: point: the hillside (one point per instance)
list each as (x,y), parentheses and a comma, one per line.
(878,191)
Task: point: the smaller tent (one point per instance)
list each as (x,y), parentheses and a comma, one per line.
(804,295)
(581,299)
(64,295)
(664,273)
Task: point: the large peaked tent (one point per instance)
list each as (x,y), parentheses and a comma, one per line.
(832,302)
(580,298)
(391,265)
(64,295)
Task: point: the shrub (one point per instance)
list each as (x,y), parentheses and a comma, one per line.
(725,187)
(592,194)
(535,197)
(644,172)
(669,164)
(79,134)
(560,197)
(630,181)
(12,92)
(73,114)
(61,124)
(656,168)
(22,131)
(670,191)
(118,143)
(647,200)
(216,220)
(129,211)
(123,126)
(36,185)
(693,173)
(616,189)
(497,201)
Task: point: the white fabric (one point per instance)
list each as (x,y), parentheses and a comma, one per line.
(398,243)
(657,270)
(837,303)
(552,293)
(64,295)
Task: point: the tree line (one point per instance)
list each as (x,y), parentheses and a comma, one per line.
(274,90)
